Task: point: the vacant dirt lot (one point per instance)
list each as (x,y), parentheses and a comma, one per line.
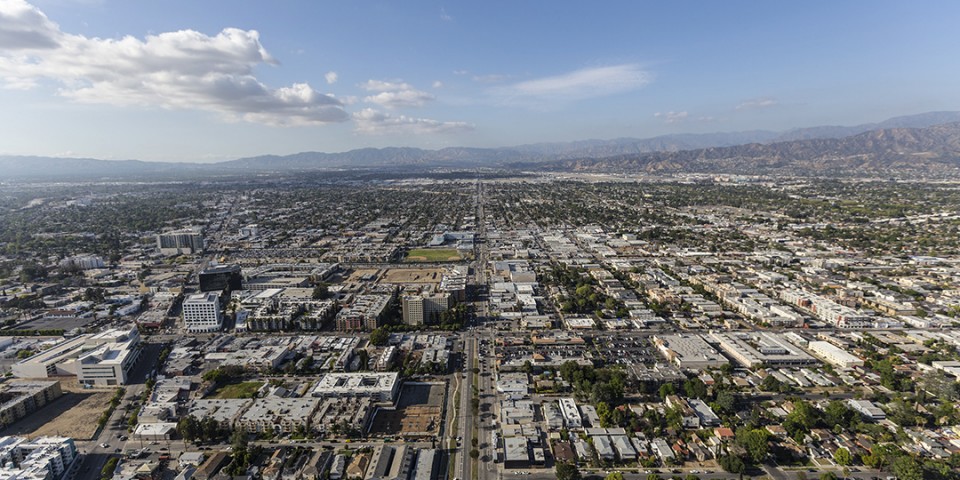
(418,412)
(413,275)
(74,415)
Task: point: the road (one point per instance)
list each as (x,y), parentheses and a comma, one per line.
(95,454)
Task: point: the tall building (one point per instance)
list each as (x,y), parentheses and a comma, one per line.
(218,279)
(180,242)
(423,309)
(201,313)
(83,262)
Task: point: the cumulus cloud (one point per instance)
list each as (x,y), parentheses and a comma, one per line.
(24,27)
(672,117)
(331,78)
(437,84)
(373,122)
(395,94)
(577,85)
(183,70)
(757,103)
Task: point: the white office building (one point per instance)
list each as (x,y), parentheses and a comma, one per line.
(110,363)
(201,313)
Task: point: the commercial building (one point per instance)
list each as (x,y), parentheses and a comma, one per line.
(220,278)
(181,242)
(201,313)
(689,352)
(425,308)
(834,355)
(427,464)
(761,349)
(94,359)
(381,386)
(110,363)
(515,452)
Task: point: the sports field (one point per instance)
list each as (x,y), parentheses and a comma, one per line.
(433,255)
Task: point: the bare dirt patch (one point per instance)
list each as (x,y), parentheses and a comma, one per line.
(72,415)
(413,275)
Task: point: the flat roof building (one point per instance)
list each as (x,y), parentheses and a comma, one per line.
(201,313)
(834,355)
(761,349)
(180,242)
(379,386)
(689,351)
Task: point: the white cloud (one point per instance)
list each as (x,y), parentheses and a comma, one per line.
(373,122)
(24,27)
(672,117)
(490,78)
(331,78)
(577,85)
(437,84)
(395,94)
(757,103)
(181,70)
(445,16)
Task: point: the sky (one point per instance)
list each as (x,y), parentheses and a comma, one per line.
(216,80)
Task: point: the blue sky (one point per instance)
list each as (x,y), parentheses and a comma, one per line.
(215,80)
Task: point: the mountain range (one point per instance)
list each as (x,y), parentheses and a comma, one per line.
(926,144)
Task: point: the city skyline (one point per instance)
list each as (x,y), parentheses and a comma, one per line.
(215,81)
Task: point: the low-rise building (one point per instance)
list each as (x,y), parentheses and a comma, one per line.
(380,386)
(834,355)
(43,458)
(20,399)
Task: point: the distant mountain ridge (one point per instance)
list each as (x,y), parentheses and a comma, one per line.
(933,150)
(666,153)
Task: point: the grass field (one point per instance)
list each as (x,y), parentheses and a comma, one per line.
(238,390)
(433,255)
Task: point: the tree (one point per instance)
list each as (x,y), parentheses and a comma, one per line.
(379,337)
(321,291)
(842,457)
(837,413)
(187,428)
(905,467)
(474,454)
(695,388)
(755,443)
(732,464)
(614,476)
(666,390)
(726,402)
(603,411)
(567,471)
(770,384)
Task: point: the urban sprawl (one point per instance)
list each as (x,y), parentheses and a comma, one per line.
(480,326)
